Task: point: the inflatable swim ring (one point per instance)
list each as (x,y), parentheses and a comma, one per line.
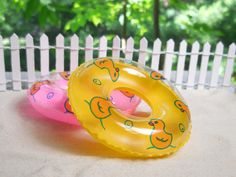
(49,97)
(163,132)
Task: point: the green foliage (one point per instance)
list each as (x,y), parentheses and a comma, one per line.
(193,19)
(208,22)
(95,13)
(202,20)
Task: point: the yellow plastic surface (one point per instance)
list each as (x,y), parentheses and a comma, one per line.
(163,132)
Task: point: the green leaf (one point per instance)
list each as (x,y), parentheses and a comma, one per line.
(32,7)
(45,2)
(96,20)
(43,17)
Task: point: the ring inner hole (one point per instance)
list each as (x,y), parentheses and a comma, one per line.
(129,103)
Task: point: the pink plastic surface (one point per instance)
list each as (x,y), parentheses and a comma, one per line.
(52,102)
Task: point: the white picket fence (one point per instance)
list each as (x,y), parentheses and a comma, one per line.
(193,78)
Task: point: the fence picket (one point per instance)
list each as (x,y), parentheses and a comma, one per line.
(116,47)
(204,65)
(15,62)
(44,55)
(2,68)
(129,49)
(74,52)
(59,53)
(181,62)
(30,59)
(156,52)
(168,59)
(143,51)
(229,65)
(193,64)
(88,48)
(216,65)
(102,47)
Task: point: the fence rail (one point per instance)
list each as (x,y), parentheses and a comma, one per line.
(194,77)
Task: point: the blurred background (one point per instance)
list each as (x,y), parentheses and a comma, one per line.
(193,20)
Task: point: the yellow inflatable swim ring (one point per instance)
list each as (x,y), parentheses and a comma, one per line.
(163,132)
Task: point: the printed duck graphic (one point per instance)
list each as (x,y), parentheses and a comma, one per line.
(182,107)
(100,108)
(159,138)
(108,64)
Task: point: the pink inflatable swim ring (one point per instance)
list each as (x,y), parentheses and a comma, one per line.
(49,97)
